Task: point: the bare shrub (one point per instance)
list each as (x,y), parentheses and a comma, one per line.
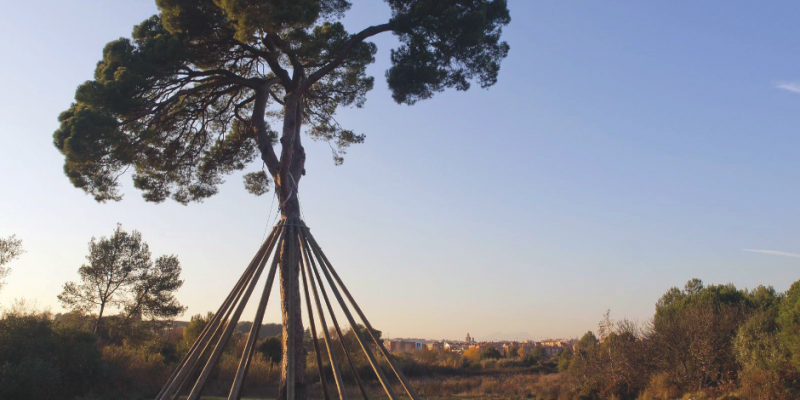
(661,387)
(134,370)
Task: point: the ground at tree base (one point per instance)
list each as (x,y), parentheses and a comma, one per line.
(377,398)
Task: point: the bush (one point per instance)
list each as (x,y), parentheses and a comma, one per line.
(30,378)
(660,387)
(133,373)
(272,349)
(490,353)
(38,360)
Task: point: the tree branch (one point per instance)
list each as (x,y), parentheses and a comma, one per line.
(299,71)
(240,105)
(356,39)
(264,142)
(275,97)
(275,66)
(234,78)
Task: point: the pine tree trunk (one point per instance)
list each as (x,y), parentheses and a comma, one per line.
(291,308)
(286,186)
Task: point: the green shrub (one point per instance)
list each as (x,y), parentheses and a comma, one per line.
(133,373)
(271,348)
(30,378)
(490,353)
(39,360)
(660,387)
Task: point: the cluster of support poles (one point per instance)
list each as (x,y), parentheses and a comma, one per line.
(218,330)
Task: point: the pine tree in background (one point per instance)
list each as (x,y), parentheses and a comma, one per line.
(121,274)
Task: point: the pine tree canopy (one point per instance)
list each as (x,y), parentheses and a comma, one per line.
(194,94)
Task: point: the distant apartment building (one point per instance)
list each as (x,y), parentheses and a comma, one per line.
(554,347)
(551,347)
(435,346)
(522,349)
(500,347)
(403,345)
(454,346)
(525,347)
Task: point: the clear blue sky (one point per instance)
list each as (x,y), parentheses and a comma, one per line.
(627,147)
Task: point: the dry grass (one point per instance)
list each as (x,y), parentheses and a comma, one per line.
(498,386)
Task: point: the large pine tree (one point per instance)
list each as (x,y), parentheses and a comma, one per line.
(207,86)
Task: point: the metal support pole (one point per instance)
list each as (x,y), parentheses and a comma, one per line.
(364,346)
(335,323)
(334,365)
(306,253)
(180,374)
(247,353)
(212,360)
(327,266)
(206,328)
(322,381)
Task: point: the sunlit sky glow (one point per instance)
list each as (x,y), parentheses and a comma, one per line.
(627,147)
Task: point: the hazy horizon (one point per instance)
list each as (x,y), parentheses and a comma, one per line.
(626,148)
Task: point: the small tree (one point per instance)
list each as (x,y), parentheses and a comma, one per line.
(513,352)
(564,359)
(350,334)
(789,321)
(10,248)
(121,274)
(473,353)
(192,331)
(272,349)
(490,353)
(535,356)
(767,371)
(153,294)
(583,364)
(693,333)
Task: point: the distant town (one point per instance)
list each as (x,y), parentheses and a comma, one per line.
(551,347)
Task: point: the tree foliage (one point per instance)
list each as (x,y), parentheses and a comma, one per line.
(193,94)
(490,353)
(41,360)
(702,339)
(192,331)
(535,356)
(788,320)
(564,359)
(766,367)
(513,352)
(10,248)
(153,294)
(693,332)
(271,349)
(121,274)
